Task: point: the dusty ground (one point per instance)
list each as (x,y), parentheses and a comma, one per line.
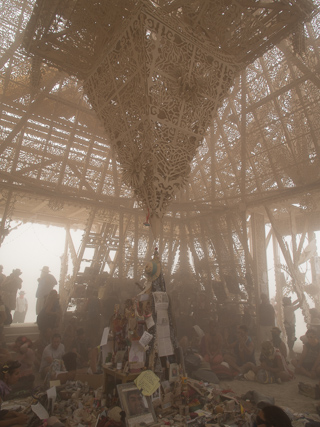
(285,394)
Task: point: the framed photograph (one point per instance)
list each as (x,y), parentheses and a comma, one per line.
(174,372)
(138,408)
(156,398)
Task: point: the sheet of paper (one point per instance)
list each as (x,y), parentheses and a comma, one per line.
(199,331)
(54,383)
(145,339)
(40,411)
(163,328)
(165,347)
(161,300)
(149,322)
(148,382)
(137,355)
(105,336)
(52,393)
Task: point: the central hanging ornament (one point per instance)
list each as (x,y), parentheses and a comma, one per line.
(156,90)
(156,73)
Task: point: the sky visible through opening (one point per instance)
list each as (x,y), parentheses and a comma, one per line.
(30,247)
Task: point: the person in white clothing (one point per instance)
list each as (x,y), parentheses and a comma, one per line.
(53,351)
(21,308)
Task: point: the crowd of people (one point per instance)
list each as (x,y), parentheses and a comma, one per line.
(234,353)
(63,350)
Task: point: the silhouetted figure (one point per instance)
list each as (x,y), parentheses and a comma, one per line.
(10,287)
(289,309)
(46,283)
(266,316)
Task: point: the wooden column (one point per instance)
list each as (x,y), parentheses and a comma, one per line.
(258,245)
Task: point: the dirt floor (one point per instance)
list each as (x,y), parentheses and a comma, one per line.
(285,394)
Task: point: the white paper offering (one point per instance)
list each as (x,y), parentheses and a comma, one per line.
(105,336)
(149,322)
(161,300)
(145,339)
(137,355)
(165,347)
(40,411)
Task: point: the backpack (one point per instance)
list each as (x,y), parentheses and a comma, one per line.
(8,320)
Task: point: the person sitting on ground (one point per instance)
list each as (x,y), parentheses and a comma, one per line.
(272,416)
(308,363)
(278,343)
(40,344)
(87,357)
(53,351)
(25,355)
(211,345)
(9,375)
(62,366)
(242,350)
(273,367)
(50,315)
(211,351)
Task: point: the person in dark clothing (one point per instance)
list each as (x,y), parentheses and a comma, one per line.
(266,316)
(289,309)
(93,324)
(277,341)
(272,416)
(243,350)
(46,283)
(309,362)
(9,375)
(81,347)
(10,287)
(50,316)
(273,367)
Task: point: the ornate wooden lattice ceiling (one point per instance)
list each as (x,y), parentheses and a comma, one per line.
(262,148)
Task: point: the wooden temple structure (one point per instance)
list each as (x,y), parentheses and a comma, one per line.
(188,125)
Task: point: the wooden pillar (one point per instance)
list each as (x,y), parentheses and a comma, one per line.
(258,244)
(279,280)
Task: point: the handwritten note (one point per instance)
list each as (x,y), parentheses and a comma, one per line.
(147,382)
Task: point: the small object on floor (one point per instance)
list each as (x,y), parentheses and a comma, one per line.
(309,390)
(240,377)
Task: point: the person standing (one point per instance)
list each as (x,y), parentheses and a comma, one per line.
(10,287)
(21,308)
(2,276)
(3,318)
(46,283)
(266,318)
(289,309)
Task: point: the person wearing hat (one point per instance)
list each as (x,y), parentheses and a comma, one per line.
(10,287)
(46,283)
(21,308)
